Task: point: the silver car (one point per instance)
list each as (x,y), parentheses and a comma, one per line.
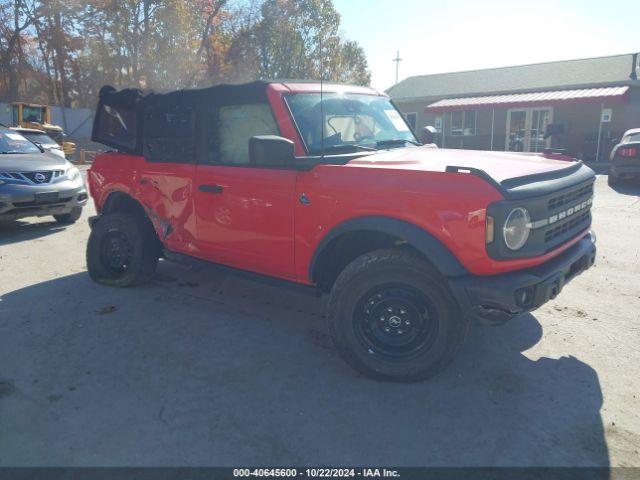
(40,138)
(36,183)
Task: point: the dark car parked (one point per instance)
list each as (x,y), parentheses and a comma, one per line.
(625,157)
(36,183)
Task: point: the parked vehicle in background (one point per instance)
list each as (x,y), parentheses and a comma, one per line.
(327,186)
(625,157)
(30,115)
(35,182)
(41,139)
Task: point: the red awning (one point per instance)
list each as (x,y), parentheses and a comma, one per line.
(557,97)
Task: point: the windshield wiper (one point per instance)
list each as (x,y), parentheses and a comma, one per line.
(346,146)
(391,143)
(9,152)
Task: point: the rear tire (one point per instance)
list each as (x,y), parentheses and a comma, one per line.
(71,217)
(612,180)
(123,250)
(392,317)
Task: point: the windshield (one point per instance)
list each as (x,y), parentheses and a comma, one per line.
(41,138)
(33,114)
(13,142)
(350,121)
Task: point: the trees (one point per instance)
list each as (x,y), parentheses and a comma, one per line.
(15,18)
(62,51)
(300,39)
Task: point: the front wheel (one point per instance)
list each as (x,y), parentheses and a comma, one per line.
(392,317)
(122,251)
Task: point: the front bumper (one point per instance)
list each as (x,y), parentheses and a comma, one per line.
(496,299)
(20,201)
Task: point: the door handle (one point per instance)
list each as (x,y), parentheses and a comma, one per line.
(210,188)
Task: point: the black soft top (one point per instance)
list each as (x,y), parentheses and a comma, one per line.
(126,119)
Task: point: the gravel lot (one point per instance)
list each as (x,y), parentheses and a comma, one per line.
(208,368)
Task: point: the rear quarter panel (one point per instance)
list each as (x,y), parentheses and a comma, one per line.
(163,189)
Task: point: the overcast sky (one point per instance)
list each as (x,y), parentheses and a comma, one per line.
(446,36)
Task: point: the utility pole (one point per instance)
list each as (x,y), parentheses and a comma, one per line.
(397,60)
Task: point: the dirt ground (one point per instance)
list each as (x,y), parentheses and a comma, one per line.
(208,368)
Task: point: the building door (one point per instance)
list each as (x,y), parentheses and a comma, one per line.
(526,128)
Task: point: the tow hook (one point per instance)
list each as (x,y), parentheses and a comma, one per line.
(555,289)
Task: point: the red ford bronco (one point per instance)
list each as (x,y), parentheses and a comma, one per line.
(328,187)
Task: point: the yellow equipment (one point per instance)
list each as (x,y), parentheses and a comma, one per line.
(29,115)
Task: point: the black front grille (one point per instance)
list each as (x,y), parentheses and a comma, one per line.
(573,224)
(38,177)
(570,197)
(556,218)
(568,213)
(11,175)
(43,176)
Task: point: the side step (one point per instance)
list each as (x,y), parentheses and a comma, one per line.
(189,261)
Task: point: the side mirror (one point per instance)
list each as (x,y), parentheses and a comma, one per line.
(428,134)
(270,151)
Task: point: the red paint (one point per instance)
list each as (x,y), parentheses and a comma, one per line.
(250,224)
(257,223)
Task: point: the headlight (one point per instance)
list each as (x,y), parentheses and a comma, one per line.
(516,228)
(73,173)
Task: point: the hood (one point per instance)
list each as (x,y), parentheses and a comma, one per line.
(29,162)
(54,149)
(500,166)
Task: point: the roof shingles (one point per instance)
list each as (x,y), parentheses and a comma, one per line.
(612,70)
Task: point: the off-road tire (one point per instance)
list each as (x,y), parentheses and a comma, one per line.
(71,217)
(143,250)
(376,270)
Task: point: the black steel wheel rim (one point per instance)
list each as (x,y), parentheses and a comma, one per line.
(395,321)
(116,252)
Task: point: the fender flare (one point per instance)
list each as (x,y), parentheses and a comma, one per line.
(427,244)
(161,226)
(114,194)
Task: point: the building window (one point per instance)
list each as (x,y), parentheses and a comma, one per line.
(412,119)
(463,123)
